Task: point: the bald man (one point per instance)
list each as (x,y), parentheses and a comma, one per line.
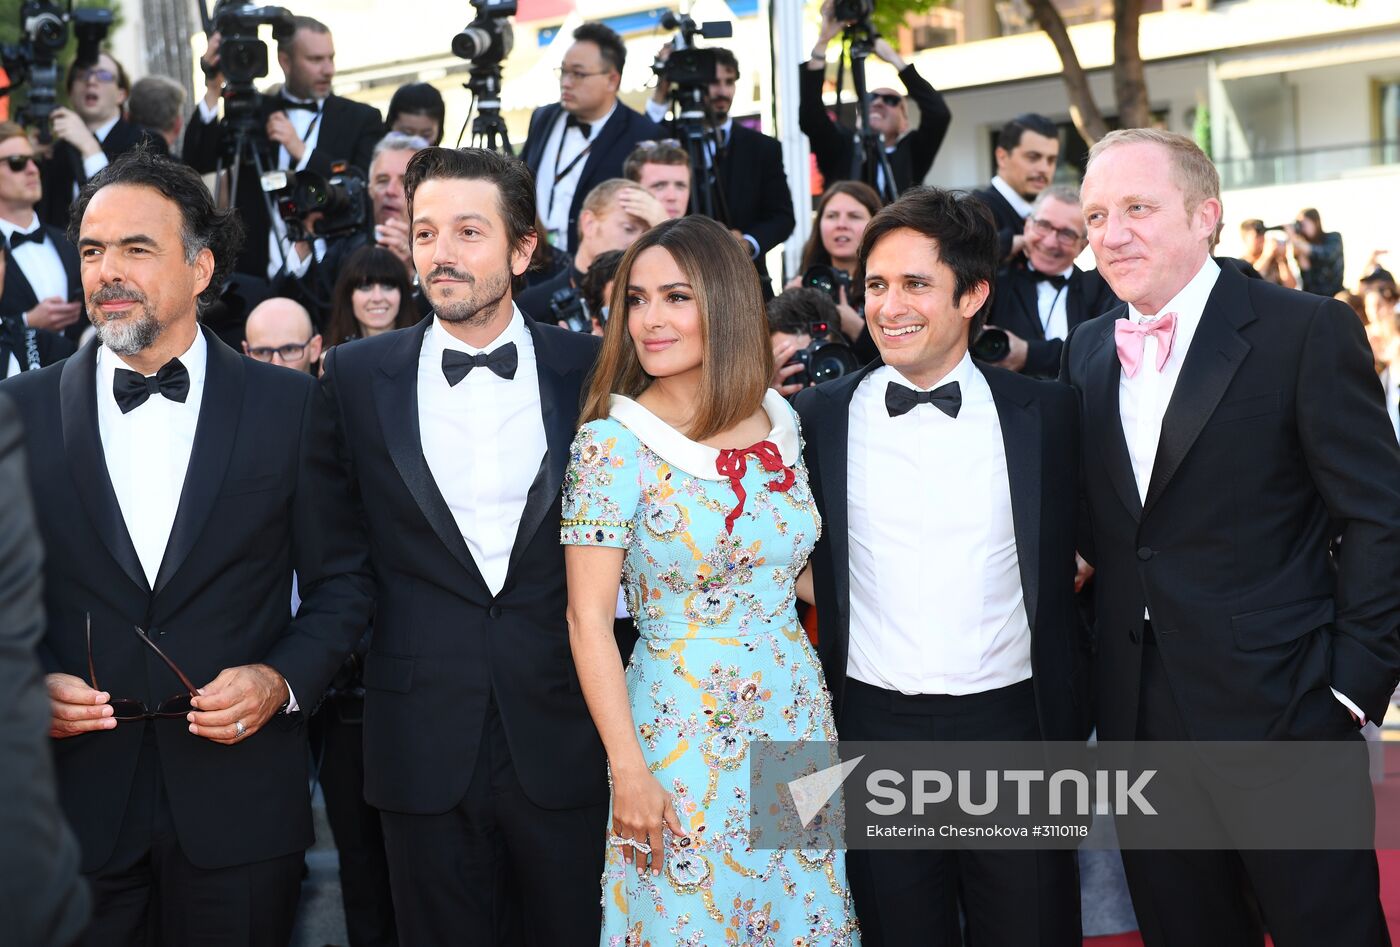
(279,331)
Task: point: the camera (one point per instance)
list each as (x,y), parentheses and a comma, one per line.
(242,56)
(688,65)
(991,345)
(568,309)
(341,201)
(823,359)
(488,39)
(848,11)
(828,279)
(43,29)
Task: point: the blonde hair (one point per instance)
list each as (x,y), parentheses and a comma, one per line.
(1192,170)
(738,357)
(605,193)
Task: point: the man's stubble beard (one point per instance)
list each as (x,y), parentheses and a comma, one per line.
(129,335)
(479,306)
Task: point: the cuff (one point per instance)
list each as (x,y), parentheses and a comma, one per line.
(206,114)
(753,247)
(292,705)
(1349,705)
(305,159)
(94,163)
(656,111)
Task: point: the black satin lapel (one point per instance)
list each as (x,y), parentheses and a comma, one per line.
(832,453)
(1216,353)
(1026,294)
(1104,424)
(83,444)
(1021,435)
(396,397)
(219,412)
(559,390)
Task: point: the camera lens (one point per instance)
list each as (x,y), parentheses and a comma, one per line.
(471,43)
(991,346)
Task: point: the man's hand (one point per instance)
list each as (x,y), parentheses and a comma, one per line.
(392,235)
(213,78)
(67,126)
(783,351)
(662,95)
(886,52)
(641,204)
(280,130)
(829,28)
(76,708)
(53,314)
(250,694)
(1015,359)
(851,321)
(1083,572)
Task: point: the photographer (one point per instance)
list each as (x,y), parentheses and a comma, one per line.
(303,127)
(756,203)
(1319,253)
(662,168)
(792,317)
(838,147)
(88,134)
(1268,256)
(157,104)
(596,287)
(831,254)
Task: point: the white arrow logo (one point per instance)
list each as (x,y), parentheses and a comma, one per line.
(810,793)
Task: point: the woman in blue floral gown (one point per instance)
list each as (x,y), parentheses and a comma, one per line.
(686,487)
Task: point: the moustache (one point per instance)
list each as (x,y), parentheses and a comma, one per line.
(114,293)
(448,272)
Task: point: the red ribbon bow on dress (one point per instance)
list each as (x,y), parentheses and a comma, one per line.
(733,464)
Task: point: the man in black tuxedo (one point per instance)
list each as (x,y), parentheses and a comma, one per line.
(1040,298)
(1028,148)
(840,157)
(23,348)
(178,485)
(754,200)
(42,897)
(479,750)
(1242,491)
(944,576)
(41,285)
(307,128)
(89,135)
(583,139)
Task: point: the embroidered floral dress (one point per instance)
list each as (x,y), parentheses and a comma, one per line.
(715,541)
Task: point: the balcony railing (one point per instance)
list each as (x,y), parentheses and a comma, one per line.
(1310,164)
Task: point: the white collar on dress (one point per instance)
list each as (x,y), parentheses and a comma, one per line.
(693,457)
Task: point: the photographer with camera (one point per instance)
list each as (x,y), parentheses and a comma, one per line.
(89,134)
(807,347)
(584,138)
(910,150)
(747,165)
(304,127)
(831,254)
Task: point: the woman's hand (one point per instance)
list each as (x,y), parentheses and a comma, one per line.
(641,807)
(851,321)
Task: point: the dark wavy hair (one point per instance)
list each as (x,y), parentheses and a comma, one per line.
(368,266)
(203,225)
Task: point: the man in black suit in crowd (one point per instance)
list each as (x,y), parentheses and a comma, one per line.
(944,576)
(307,128)
(1242,492)
(1040,298)
(41,286)
(753,199)
(583,139)
(479,750)
(178,485)
(23,348)
(1028,147)
(89,135)
(840,157)
(42,897)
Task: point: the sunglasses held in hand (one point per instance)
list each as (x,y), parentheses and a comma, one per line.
(126,708)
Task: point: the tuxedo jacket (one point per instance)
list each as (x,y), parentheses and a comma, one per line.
(18,295)
(1040,432)
(610,149)
(64,169)
(1016,308)
(1268,546)
(837,147)
(17,338)
(261,498)
(1010,223)
(42,898)
(349,132)
(444,647)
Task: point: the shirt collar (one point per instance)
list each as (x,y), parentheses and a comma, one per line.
(1018,203)
(593,127)
(319,103)
(514,331)
(1190,302)
(102,131)
(7,228)
(961,373)
(1067,271)
(195,359)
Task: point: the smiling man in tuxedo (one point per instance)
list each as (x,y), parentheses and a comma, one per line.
(178,485)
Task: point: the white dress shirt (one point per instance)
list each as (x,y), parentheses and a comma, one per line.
(39,262)
(94,163)
(554,198)
(1053,304)
(1018,203)
(483,439)
(935,584)
(1390,380)
(279,249)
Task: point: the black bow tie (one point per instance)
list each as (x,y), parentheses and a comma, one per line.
(34,236)
(901,399)
(131,389)
(573,122)
(458,365)
(290,105)
(1056,281)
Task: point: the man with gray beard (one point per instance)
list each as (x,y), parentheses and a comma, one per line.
(479,750)
(177,486)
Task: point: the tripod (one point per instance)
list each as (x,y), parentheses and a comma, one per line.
(701,143)
(241,149)
(488,128)
(870,164)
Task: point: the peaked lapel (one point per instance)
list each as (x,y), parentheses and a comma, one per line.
(1022,433)
(1216,353)
(82,443)
(214,436)
(396,397)
(1101,413)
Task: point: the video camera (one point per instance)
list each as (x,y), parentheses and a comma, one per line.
(488,39)
(243,57)
(43,28)
(687,65)
(340,203)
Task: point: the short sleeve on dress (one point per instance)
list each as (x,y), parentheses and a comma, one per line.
(602,486)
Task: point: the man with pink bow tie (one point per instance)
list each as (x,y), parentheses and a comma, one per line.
(1242,491)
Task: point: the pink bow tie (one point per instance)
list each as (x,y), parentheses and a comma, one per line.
(1131,339)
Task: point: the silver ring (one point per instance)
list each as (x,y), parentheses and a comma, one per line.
(238,728)
(617,841)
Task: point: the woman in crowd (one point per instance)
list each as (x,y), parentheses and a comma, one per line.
(1318,252)
(372,295)
(840,220)
(417,109)
(687,488)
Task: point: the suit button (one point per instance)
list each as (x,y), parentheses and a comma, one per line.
(1133,635)
(1145,553)
(494,611)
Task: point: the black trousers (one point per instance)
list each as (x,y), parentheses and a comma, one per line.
(1229,898)
(497,869)
(149,893)
(1008,898)
(336,733)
